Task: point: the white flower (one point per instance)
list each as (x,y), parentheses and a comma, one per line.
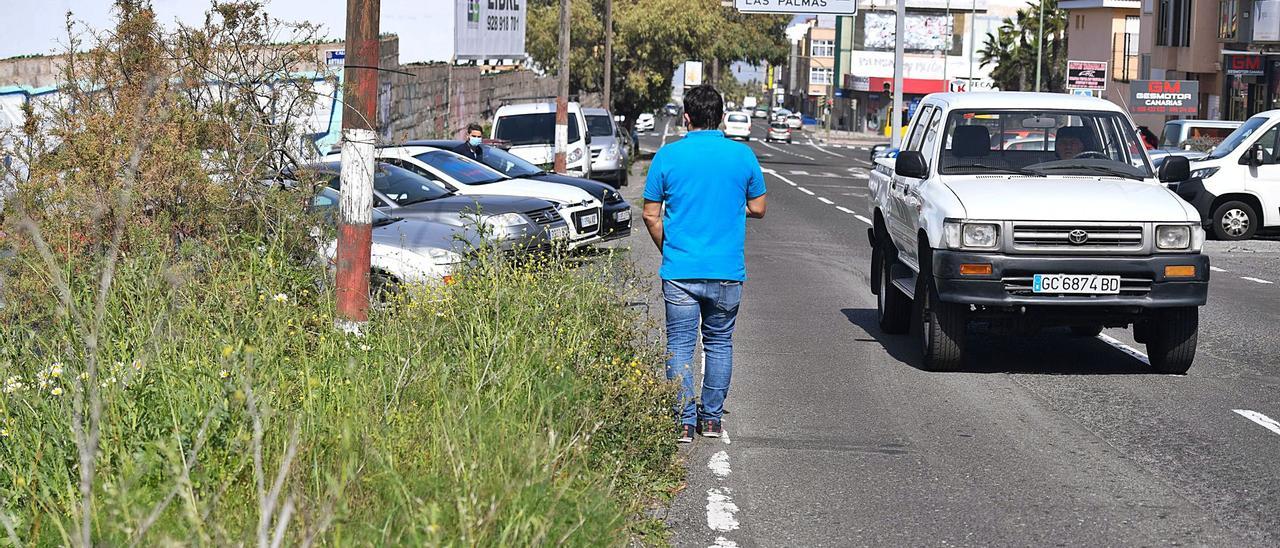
(55,370)
(280,298)
(12,384)
(224,374)
(365,348)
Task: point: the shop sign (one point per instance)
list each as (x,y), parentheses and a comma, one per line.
(1164,97)
(1086,75)
(1244,65)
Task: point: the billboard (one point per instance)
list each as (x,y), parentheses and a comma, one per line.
(1164,97)
(1266,21)
(839,7)
(692,73)
(923,32)
(1086,75)
(488,29)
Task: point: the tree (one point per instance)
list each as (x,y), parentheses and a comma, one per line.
(651,39)
(1012,49)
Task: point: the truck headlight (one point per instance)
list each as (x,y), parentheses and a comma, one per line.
(1204,172)
(443,256)
(1179,237)
(575,155)
(961,235)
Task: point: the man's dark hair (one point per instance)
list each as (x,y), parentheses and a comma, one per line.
(474,127)
(705,107)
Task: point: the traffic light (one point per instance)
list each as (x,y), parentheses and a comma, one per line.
(888,87)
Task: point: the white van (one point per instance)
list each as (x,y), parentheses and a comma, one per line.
(531,130)
(1236,188)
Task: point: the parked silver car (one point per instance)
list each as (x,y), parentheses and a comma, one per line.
(609,151)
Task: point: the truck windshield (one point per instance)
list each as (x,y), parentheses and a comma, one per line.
(1240,135)
(1039,142)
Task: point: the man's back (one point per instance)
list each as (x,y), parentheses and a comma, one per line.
(704,182)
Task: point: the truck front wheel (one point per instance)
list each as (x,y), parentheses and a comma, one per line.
(1171,344)
(942,327)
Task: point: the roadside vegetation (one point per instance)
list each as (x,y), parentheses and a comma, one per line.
(170,369)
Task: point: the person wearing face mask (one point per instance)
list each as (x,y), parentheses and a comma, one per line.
(471,147)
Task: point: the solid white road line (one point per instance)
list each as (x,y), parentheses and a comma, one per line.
(1216,269)
(863,219)
(1256,280)
(825,201)
(805,190)
(1262,420)
(1124,348)
(846,210)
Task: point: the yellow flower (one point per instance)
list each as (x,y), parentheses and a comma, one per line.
(57,391)
(280,298)
(4,432)
(55,370)
(224,374)
(227,350)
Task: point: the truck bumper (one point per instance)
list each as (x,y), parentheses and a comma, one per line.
(1143,281)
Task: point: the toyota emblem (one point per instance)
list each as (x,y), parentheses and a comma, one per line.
(1077,237)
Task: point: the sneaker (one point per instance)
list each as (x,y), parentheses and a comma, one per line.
(685,434)
(710,428)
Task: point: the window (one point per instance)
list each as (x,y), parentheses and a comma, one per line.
(1173,23)
(823,48)
(820,76)
(1124,51)
(1228,19)
(917,130)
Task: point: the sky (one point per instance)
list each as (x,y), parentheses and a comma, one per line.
(30,27)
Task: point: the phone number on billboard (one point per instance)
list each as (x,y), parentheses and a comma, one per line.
(503,22)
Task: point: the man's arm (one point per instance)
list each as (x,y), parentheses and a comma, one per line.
(756,207)
(653,220)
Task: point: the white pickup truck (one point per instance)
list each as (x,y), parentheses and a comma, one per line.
(1077,231)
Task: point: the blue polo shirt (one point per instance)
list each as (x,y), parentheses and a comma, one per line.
(704,182)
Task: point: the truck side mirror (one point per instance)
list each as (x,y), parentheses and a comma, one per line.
(1252,157)
(1175,169)
(910,163)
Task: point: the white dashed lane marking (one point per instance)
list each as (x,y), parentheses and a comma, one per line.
(798,172)
(1216,269)
(846,210)
(1256,280)
(825,201)
(1262,420)
(863,219)
(1137,354)
(805,190)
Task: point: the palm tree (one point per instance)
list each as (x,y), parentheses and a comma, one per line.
(1012,49)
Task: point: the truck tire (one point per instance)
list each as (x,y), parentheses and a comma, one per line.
(1234,220)
(942,330)
(1086,330)
(1172,344)
(893,308)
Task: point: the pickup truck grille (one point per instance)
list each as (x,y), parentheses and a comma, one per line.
(1075,236)
(1020,286)
(544,216)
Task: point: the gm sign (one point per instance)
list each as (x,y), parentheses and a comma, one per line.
(1164,97)
(1244,65)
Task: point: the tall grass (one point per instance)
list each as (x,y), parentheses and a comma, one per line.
(514,407)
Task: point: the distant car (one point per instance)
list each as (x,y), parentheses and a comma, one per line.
(609,150)
(760,112)
(779,131)
(781,114)
(795,121)
(671,109)
(513,223)
(882,150)
(404,251)
(644,122)
(737,126)
(617,211)
(1178,132)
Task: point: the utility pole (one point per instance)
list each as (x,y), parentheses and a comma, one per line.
(562,92)
(1040,47)
(895,129)
(355,203)
(608,55)
(973,38)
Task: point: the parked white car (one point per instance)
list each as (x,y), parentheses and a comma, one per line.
(469,177)
(737,126)
(1083,235)
(1236,188)
(530,128)
(795,121)
(644,122)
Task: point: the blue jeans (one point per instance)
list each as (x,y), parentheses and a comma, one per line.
(711,305)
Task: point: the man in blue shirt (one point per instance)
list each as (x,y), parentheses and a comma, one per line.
(697,197)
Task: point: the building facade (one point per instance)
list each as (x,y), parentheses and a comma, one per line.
(1109,31)
(1248,33)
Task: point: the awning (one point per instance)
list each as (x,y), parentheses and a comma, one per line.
(916,86)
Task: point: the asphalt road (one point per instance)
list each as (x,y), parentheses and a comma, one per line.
(836,438)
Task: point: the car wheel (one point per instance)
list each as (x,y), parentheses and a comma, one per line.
(1234,220)
(1086,330)
(942,329)
(1171,346)
(383,287)
(893,308)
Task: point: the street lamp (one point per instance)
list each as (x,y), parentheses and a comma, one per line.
(1040,46)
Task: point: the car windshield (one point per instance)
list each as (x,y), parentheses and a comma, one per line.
(1240,135)
(1040,142)
(532,129)
(599,125)
(740,118)
(401,186)
(458,168)
(509,164)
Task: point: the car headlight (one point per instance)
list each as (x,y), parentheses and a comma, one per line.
(443,256)
(1204,172)
(961,235)
(611,197)
(499,223)
(1179,237)
(575,155)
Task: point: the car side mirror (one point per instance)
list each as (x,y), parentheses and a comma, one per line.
(1175,169)
(1252,157)
(910,163)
